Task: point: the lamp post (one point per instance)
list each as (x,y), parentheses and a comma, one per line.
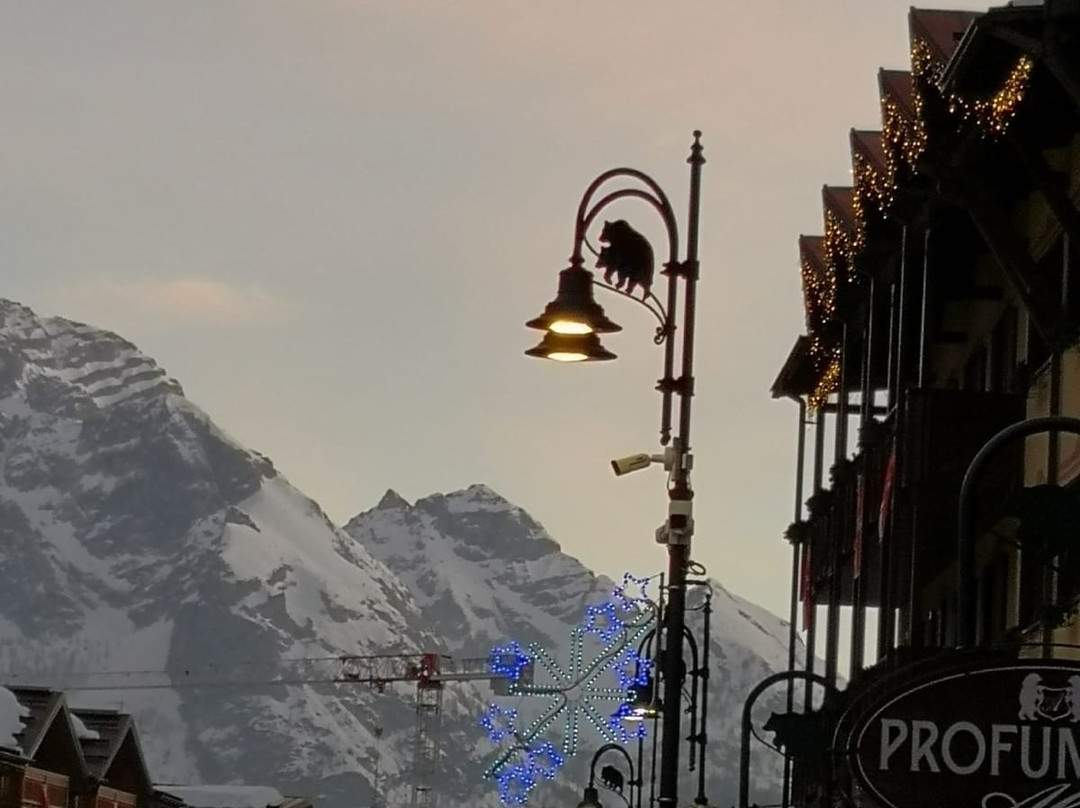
(591,797)
(573,322)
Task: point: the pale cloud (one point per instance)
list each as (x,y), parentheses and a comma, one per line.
(163,303)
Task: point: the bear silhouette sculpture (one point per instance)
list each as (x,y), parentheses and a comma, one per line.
(627,256)
(798,735)
(612,778)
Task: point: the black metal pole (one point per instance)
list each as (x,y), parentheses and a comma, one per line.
(703,739)
(965,538)
(793,612)
(680,495)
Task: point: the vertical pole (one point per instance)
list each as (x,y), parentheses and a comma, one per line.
(811,629)
(866,417)
(680,495)
(793,616)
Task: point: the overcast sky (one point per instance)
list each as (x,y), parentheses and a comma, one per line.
(330,219)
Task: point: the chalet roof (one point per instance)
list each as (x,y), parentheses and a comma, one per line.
(868,145)
(838,201)
(812,251)
(44,705)
(896,86)
(798,377)
(108,731)
(941,30)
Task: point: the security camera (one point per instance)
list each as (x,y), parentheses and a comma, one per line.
(635,462)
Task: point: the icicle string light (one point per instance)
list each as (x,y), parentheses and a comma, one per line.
(904,140)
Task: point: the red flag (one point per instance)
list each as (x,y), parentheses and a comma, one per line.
(856,545)
(805,594)
(886,494)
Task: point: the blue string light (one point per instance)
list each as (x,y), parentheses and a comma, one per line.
(499,722)
(544,759)
(603,621)
(515,784)
(572,691)
(624,728)
(508,661)
(631,668)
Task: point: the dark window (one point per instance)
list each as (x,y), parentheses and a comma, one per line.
(975,370)
(1003,353)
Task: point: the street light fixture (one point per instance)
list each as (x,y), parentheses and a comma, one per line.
(573,321)
(591,797)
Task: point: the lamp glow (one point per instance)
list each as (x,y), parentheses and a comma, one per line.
(570,327)
(566,356)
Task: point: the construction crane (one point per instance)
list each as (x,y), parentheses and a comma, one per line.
(430,671)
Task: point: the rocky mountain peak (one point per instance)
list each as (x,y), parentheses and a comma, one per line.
(392,501)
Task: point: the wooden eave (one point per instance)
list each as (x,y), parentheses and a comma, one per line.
(867,144)
(940,29)
(812,251)
(896,85)
(839,201)
(798,377)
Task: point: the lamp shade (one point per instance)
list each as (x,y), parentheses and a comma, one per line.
(590,799)
(574,310)
(571,348)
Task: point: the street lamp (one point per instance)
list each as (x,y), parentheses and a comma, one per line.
(572,323)
(591,797)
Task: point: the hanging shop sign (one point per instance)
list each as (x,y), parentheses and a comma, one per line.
(1000,735)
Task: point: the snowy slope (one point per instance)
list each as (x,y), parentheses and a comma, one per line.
(139,537)
(485,572)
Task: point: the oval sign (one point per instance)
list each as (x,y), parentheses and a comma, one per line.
(999,736)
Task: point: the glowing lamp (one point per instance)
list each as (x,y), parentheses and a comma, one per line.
(574,311)
(571,348)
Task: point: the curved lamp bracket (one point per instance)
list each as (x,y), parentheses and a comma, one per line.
(654,196)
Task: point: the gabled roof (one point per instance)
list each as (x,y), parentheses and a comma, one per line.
(798,377)
(812,251)
(837,200)
(109,730)
(941,30)
(48,711)
(896,86)
(44,706)
(868,145)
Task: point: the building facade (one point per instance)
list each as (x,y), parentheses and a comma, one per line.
(943,305)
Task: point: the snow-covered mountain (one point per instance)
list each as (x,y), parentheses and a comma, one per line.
(484,572)
(137,537)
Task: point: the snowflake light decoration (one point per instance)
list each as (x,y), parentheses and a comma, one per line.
(573,692)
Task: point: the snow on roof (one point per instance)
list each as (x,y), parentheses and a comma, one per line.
(226,796)
(83,732)
(12,718)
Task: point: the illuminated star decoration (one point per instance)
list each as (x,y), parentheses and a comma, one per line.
(625,726)
(632,668)
(499,722)
(632,594)
(603,621)
(515,783)
(508,661)
(545,759)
